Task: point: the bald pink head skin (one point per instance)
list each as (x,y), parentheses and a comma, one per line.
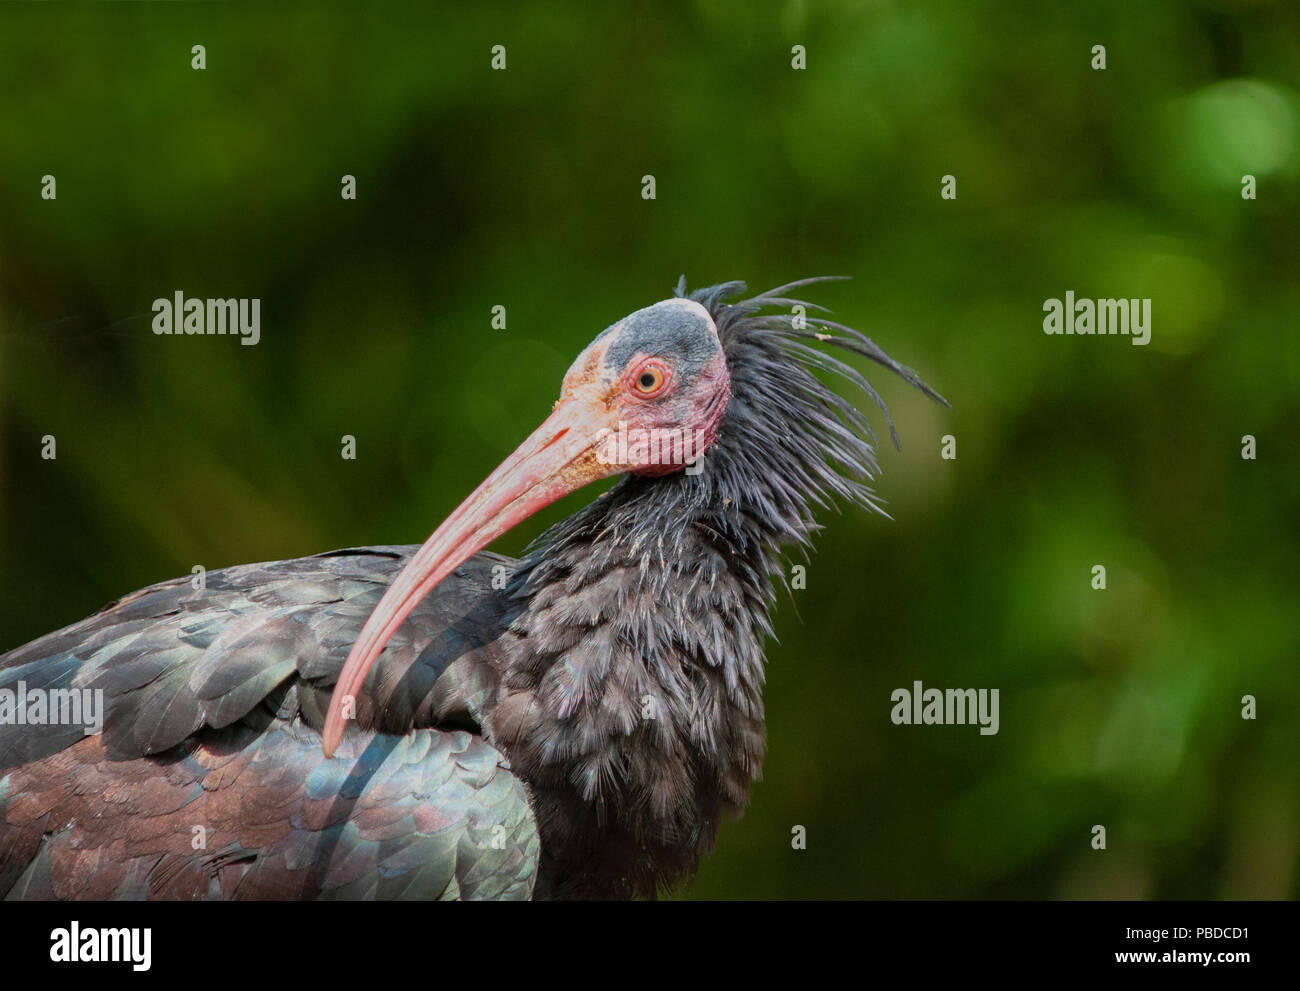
(646,396)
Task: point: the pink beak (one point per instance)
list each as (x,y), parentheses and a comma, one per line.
(559,457)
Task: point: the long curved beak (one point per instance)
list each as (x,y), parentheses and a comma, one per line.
(560,456)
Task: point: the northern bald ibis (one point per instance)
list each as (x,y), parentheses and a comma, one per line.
(442,721)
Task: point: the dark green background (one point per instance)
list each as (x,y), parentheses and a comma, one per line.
(522,188)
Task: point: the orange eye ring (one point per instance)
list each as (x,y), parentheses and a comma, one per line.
(650,379)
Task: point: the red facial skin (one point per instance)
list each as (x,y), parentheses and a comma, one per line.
(697,409)
(559,457)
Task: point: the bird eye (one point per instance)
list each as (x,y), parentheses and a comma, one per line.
(649,379)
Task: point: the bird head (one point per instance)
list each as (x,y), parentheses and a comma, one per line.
(650,391)
(646,396)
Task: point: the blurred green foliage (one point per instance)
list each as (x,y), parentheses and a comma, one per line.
(522,188)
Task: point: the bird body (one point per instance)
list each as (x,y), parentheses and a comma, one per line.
(208,779)
(442,721)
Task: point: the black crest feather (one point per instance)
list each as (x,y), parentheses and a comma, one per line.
(794,424)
